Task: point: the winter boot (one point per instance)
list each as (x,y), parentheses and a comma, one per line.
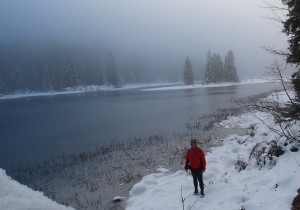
(202,193)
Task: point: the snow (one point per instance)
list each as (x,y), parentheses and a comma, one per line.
(118,199)
(199,85)
(143,87)
(81,89)
(14,196)
(257,187)
(75,90)
(162,170)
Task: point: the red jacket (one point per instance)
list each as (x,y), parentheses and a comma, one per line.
(195,158)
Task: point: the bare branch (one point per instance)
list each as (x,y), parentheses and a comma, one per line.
(275,10)
(194,204)
(273,7)
(183,199)
(281,114)
(277,69)
(297,162)
(275,52)
(276,19)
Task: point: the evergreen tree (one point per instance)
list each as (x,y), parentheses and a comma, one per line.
(230,74)
(188,72)
(291,27)
(209,74)
(296,83)
(214,69)
(112,73)
(218,67)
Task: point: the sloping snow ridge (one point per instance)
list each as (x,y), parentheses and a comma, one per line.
(14,196)
(255,188)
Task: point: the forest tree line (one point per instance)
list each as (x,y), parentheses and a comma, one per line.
(216,71)
(55,66)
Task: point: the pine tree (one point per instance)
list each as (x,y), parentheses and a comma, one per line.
(209,74)
(230,74)
(112,73)
(188,72)
(214,68)
(296,83)
(218,68)
(291,27)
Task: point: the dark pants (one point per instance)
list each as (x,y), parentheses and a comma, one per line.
(197,176)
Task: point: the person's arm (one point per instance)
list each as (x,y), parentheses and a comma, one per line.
(186,162)
(203,161)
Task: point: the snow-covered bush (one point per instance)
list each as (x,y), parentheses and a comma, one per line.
(240,164)
(266,153)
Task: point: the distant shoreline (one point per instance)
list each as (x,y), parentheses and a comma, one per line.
(142,87)
(225,84)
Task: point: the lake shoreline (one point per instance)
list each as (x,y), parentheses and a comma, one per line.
(143,87)
(92,179)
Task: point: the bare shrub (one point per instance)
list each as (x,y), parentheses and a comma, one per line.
(240,164)
(265,152)
(285,114)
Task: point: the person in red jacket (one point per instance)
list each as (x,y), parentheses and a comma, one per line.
(195,161)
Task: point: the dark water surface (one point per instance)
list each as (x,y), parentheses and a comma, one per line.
(37,128)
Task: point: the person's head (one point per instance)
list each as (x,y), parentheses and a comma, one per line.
(193,143)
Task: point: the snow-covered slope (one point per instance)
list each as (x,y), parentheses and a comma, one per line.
(255,188)
(14,196)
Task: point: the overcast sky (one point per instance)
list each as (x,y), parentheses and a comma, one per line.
(171,28)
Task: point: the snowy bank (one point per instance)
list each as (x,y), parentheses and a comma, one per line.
(228,185)
(143,87)
(14,196)
(199,85)
(75,90)
(83,89)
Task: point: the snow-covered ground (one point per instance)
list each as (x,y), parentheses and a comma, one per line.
(143,87)
(14,196)
(255,188)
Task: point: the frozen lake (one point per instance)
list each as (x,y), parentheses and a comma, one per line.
(36,128)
